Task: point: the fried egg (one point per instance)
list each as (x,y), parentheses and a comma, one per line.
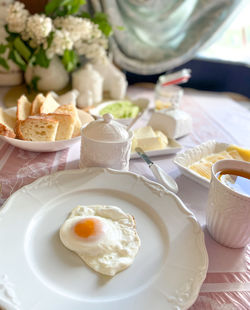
(104,237)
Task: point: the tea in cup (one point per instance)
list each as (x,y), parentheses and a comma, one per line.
(228,210)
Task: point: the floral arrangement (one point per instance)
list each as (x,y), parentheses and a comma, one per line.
(64,30)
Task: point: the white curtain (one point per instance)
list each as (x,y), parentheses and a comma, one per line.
(159,35)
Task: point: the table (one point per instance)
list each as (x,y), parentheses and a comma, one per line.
(215,116)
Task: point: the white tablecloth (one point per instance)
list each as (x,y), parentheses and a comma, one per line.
(215,116)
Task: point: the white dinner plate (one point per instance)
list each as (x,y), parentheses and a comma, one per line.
(167,272)
(172,148)
(190,156)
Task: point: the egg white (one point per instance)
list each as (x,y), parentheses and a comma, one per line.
(117,244)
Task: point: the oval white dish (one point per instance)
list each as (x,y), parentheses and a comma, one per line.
(41,146)
(167,272)
(143,104)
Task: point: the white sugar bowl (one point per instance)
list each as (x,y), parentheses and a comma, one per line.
(105,143)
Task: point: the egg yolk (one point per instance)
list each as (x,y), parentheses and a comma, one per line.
(86,228)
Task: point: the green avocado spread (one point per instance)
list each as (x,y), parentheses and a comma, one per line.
(121,109)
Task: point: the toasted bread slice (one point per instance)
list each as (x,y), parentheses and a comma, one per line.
(71,110)
(7,119)
(66,125)
(37,128)
(8,124)
(84,117)
(23,108)
(36,104)
(49,105)
(6,131)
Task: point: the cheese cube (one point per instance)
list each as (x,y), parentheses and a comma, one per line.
(175,123)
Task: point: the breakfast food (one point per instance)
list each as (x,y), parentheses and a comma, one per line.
(23,108)
(36,104)
(37,128)
(149,139)
(66,124)
(175,123)
(203,166)
(121,109)
(71,110)
(42,120)
(48,105)
(104,237)
(237,180)
(7,124)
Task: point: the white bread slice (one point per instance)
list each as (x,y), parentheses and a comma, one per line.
(23,108)
(6,131)
(37,128)
(7,124)
(84,117)
(49,105)
(36,104)
(66,125)
(71,110)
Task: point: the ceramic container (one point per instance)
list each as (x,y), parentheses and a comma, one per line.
(105,143)
(228,212)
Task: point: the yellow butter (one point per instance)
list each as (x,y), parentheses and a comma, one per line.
(148,139)
(244,153)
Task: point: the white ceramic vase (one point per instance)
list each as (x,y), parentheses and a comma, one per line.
(55,77)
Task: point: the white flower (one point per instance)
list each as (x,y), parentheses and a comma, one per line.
(96,33)
(91,51)
(61,42)
(17,17)
(38,29)
(79,28)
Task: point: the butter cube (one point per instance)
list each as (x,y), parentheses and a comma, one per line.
(148,139)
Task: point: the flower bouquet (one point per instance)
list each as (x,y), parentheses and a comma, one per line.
(48,46)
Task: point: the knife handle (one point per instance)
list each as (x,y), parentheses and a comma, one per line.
(165,179)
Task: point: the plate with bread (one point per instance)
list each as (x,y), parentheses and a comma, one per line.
(42,125)
(196,163)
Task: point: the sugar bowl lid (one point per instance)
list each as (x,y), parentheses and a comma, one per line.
(106,129)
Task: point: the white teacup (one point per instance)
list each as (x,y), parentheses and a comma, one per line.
(228,211)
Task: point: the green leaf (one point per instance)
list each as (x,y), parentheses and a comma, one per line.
(63,7)
(85,15)
(11,38)
(2,48)
(52,6)
(22,49)
(120,28)
(4,63)
(70,60)
(34,81)
(41,59)
(101,20)
(17,58)
(50,38)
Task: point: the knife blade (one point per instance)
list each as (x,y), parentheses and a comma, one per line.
(162,177)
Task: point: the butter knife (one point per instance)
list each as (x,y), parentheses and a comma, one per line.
(162,177)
